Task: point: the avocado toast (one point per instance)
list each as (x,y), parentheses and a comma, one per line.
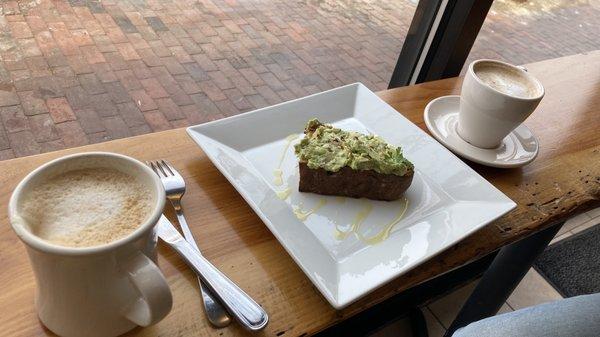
(333,161)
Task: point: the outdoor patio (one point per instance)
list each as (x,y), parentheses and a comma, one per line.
(85,71)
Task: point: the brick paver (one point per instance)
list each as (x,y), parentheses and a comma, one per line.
(519,31)
(74,72)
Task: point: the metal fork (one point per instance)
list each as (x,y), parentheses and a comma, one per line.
(175,188)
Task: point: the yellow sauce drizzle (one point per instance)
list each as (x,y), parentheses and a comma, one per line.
(278,173)
(359,219)
(284,193)
(277,180)
(303,215)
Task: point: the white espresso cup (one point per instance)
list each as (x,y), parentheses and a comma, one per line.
(495,98)
(102,290)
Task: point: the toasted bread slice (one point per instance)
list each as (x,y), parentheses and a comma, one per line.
(344,163)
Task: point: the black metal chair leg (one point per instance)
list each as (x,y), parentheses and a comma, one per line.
(500,279)
(418,325)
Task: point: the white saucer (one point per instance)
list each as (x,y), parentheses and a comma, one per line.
(519,148)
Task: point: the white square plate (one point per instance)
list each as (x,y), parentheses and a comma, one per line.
(348,247)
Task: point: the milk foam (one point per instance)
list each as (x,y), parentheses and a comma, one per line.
(87,207)
(506,80)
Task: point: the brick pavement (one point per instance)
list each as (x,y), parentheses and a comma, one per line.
(74,72)
(520,31)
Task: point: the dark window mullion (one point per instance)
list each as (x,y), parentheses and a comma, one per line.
(457,32)
(415,41)
(451,40)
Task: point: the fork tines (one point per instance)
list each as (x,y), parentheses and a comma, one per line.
(162,168)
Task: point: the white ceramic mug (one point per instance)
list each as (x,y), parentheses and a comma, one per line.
(102,290)
(487,115)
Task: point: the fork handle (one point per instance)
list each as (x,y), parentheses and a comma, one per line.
(215,312)
(251,315)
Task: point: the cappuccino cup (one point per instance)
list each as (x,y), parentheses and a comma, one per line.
(495,98)
(87,222)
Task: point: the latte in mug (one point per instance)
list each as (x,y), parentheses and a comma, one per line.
(495,98)
(87,207)
(87,222)
(506,79)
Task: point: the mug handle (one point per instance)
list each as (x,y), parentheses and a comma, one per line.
(155,300)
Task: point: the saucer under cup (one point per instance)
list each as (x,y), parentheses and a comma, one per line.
(518,148)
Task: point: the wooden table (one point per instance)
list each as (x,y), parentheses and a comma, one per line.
(564,180)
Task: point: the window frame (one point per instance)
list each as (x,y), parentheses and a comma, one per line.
(439,40)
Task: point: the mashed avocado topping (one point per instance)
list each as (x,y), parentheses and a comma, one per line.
(331,149)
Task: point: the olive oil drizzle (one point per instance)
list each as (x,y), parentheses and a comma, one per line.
(359,220)
(284,194)
(278,172)
(355,225)
(302,215)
